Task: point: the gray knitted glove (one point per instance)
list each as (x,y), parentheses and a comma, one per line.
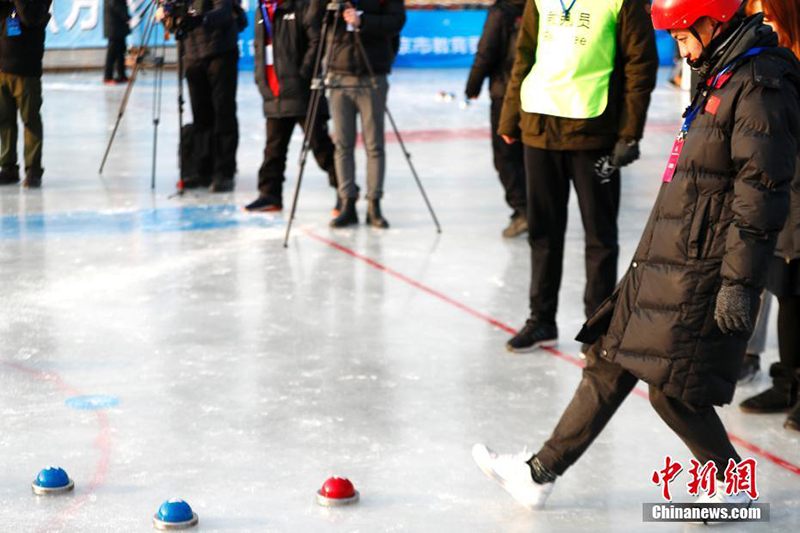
(733,310)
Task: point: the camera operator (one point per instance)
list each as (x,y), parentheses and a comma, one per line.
(377,23)
(22,24)
(212,55)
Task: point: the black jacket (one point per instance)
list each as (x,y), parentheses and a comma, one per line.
(23,54)
(294,46)
(496,49)
(115,19)
(716,222)
(381,23)
(214,31)
(632,81)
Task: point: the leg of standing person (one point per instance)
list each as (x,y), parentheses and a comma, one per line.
(120,60)
(343,111)
(28,92)
(789,345)
(509,162)
(599,205)
(271,175)
(372,107)
(548,187)
(223,76)
(111,54)
(203,126)
(9,170)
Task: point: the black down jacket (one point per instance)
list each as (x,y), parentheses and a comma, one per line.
(716,222)
(381,22)
(294,49)
(115,19)
(496,49)
(22,54)
(216,35)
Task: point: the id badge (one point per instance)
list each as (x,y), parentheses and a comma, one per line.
(13,28)
(269,58)
(677,148)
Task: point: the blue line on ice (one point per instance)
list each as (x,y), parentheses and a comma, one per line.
(117,222)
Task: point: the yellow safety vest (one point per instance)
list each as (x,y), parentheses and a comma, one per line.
(574,58)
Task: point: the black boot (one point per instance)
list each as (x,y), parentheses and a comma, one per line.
(194,182)
(347,216)
(221,184)
(781,397)
(9,176)
(374,215)
(793,422)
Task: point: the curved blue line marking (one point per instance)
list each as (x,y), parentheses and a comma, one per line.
(98,223)
(92,402)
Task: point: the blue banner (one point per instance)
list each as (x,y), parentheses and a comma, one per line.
(430,39)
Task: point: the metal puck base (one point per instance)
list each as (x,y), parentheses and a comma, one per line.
(50,491)
(174,526)
(336,502)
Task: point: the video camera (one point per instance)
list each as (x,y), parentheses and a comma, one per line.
(176,14)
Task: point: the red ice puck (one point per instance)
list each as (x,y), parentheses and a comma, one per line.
(337,491)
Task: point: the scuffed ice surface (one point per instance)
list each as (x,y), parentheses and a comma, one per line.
(247,374)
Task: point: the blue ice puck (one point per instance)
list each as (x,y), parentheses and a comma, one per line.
(174,514)
(52,480)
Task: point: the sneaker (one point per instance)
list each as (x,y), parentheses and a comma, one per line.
(534,335)
(750,368)
(122,80)
(109,81)
(264,204)
(513,473)
(9,176)
(719,497)
(194,182)
(221,185)
(518,226)
(32,181)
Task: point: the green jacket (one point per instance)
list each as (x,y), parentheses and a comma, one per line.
(632,81)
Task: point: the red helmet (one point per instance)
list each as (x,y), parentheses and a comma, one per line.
(682,14)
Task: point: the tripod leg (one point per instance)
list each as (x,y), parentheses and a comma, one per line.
(159,82)
(311,116)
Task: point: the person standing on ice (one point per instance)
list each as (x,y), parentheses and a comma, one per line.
(22,25)
(285,48)
(681,316)
(494,59)
(578,95)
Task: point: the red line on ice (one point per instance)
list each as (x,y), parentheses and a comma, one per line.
(508,329)
(103,442)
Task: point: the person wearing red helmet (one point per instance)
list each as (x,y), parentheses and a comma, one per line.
(680,318)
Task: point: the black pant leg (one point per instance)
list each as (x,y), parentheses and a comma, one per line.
(112,57)
(599,206)
(789,332)
(202,105)
(323,149)
(223,77)
(698,427)
(271,175)
(548,194)
(120,59)
(509,161)
(602,390)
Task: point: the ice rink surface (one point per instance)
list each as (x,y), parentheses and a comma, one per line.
(238,375)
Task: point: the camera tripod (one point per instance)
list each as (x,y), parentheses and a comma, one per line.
(148,31)
(320,81)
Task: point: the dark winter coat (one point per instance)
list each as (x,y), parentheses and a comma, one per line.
(632,81)
(496,49)
(788,247)
(115,19)
(716,222)
(294,48)
(215,33)
(381,22)
(23,54)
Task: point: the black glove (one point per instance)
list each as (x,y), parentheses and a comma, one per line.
(733,310)
(625,152)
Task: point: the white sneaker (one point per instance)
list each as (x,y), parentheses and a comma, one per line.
(720,497)
(513,473)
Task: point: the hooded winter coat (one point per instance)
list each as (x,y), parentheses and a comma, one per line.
(715,222)
(294,47)
(115,19)
(496,49)
(216,35)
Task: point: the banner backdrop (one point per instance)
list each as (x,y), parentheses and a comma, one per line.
(430,39)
